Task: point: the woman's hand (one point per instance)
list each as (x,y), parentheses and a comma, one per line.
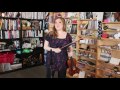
(57,50)
(70,54)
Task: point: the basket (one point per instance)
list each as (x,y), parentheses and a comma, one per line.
(7,57)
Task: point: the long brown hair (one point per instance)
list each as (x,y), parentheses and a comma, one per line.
(54,31)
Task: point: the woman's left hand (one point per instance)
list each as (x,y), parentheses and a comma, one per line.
(70,54)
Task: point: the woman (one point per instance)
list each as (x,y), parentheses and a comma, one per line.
(56,57)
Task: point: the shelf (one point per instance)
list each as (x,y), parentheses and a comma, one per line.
(81,24)
(18,52)
(88,51)
(82,29)
(73,23)
(93,66)
(108,64)
(83,36)
(8,50)
(87,19)
(88,44)
(110,22)
(14,18)
(110,30)
(34,48)
(108,49)
(71,18)
(15,64)
(31,19)
(5,50)
(87,71)
(111,73)
(9,30)
(104,48)
(28,30)
(32,37)
(31,30)
(85,58)
(9,18)
(11,39)
(105,69)
(117,40)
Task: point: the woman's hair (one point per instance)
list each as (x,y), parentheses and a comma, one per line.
(54,31)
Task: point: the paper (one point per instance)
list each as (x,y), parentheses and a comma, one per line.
(82,74)
(115,61)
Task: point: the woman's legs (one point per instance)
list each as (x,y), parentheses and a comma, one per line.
(62,73)
(49,73)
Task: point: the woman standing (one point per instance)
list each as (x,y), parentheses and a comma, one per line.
(56,58)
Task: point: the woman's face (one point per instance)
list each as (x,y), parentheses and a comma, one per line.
(58,24)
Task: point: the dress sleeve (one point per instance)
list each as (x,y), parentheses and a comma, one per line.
(69,38)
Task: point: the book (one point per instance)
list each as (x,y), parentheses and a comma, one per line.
(74,29)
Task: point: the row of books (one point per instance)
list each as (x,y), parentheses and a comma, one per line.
(32,33)
(92,25)
(29,15)
(33,15)
(9,34)
(35,25)
(88,41)
(9,14)
(72,29)
(16,34)
(8,24)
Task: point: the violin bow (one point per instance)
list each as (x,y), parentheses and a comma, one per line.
(71,43)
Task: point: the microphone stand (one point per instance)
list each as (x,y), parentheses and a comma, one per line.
(51,63)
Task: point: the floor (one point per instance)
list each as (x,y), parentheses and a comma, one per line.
(33,72)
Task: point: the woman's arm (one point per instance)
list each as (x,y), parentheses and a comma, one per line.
(48,48)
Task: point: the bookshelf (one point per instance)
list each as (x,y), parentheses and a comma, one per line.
(32,42)
(108,51)
(21,42)
(87,47)
(10,41)
(71,27)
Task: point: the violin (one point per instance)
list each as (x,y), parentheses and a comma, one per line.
(71,62)
(72,66)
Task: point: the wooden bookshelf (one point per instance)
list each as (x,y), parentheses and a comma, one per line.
(106,69)
(82,32)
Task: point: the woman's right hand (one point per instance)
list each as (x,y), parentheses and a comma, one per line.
(57,50)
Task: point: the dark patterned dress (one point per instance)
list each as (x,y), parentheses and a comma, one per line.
(58,59)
